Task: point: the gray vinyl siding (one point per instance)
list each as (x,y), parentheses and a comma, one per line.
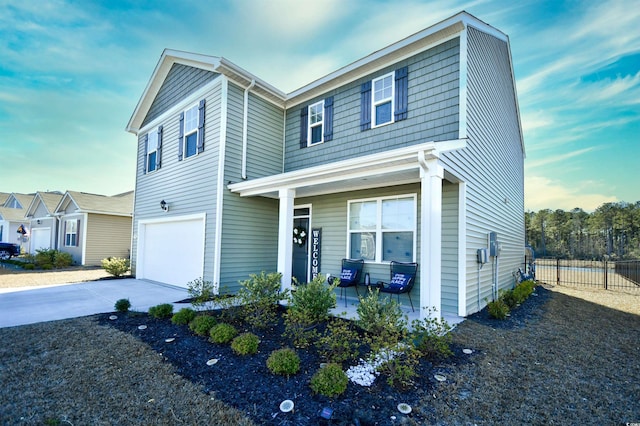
(74,251)
(329,212)
(41,211)
(449,296)
(181,81)
(433,107)
(491,165)
(250,224)
(190,185)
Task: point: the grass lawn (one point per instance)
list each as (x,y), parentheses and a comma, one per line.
(562,361)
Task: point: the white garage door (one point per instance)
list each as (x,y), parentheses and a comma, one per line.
(40,239)
(171,252)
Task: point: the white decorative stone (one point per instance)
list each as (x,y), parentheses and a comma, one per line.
(286,406)
(467,351)
(170,339)
(142,327)
(113,317)
(440,378)
(404,408)
(212,361)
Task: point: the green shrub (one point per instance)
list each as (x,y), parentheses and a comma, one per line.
(523,290)
(510,299)
(382,319)
(162,311)
(47,266)
(498,309)
(222,333)
(431,336)
(201,292)
(245,344)
(122,305)
(340,342)
(299,328)
(283,362)
(29,266)
(116,266)
(183,317)
(399,364)
(202,324)
(329,381)
(259,296)
(313,300)
(62,259)
(45,257)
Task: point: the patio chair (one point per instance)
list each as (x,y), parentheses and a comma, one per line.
(349,276)
(403,276)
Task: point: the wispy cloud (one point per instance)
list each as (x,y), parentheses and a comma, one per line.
(543,192)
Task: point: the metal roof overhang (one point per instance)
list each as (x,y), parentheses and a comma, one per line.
(389,168)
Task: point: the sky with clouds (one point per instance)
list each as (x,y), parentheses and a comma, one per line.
(71,74)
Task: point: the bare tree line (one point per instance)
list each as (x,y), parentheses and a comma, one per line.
(612,231)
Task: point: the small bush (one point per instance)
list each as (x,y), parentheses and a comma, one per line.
(202,324)
(29,266)
(523,290)
(201,292)
(222,333)
(383,320)
(283,362)
(313,300)
(497,309)
(399,364)
(340,342)
(329,381)
(115,266)
(184,316)
(62,259)
(45,257)
(431,336)
(245,344)
(162,311)
(122,305)
(259,296)
(510,299)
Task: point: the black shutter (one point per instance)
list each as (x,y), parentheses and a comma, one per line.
(201,127)
(159,149)
(402,93)
(328,119)
(180,136)
(304,120)
(365,106)
(78,233)
(144,162)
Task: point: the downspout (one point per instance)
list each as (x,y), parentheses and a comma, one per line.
(245,125)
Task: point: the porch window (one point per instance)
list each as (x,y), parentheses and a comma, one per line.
(71,233)
(382,229)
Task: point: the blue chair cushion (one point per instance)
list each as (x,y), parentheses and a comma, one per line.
(399,282)
(348,274)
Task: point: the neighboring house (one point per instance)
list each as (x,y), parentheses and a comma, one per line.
(3,198)
(93,227)
(42,221)
(12,219)
(413,153)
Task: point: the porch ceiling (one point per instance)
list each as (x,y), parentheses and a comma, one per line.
(389,168)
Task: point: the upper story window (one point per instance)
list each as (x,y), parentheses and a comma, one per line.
(382,229)
(316,122)
(153,150)
(71,232)
(382,105)
(191,131)
(384,99)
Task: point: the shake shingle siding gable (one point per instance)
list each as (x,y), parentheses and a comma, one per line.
(181,81)
(432,112)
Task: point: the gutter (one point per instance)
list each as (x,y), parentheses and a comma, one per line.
(245,124)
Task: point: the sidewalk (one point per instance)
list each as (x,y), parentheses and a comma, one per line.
(21,306)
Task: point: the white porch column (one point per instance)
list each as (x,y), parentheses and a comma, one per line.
(431,175)
(285,235)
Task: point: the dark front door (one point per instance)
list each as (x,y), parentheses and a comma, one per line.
(300,264)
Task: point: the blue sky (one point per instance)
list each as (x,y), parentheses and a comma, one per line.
(71,73)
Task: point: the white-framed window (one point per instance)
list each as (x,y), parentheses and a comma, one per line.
(316,123)
(191,131)
(152,150)
(382,99)
(382,229)
(71,232)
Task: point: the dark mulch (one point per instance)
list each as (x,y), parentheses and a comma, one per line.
(245,382)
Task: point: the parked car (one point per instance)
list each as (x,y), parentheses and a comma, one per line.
(8,249)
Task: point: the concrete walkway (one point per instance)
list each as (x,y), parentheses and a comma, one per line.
(21,306)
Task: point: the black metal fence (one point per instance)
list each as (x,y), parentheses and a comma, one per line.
(607,274)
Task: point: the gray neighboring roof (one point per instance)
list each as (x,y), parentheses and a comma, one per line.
(49,199)
(118,205)
(23,199)
(12,214)
(3,197)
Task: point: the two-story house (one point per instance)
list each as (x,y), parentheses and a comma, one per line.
(413,153)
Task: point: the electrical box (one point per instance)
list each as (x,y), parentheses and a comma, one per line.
(482,256)
(493,244)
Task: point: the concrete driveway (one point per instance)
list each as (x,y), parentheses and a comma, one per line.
(19,307)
